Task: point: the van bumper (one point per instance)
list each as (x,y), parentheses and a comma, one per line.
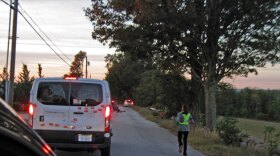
(81,146)
(69,139)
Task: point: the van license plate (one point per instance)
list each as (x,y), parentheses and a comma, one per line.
(85,137)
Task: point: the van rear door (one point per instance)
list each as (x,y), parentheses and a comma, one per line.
(52,111)
(86,114)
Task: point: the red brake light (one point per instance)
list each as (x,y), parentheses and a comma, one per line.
(107,118)
(31,109)
(70,78)
(107,112)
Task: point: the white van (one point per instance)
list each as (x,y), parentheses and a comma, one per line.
(72,113)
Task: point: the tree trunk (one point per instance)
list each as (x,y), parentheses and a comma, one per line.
(197,98)
(210,105)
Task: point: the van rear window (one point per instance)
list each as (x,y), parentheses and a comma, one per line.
(85,94)
(65,93)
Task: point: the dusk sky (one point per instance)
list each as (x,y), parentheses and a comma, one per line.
(65,23)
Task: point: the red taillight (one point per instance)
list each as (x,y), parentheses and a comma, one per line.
(31,109)
(107,118)
(31,112)
(107,112)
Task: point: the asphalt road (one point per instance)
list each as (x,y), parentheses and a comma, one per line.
(135,136)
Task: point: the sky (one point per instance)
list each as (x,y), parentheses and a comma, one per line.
(65,23)
(67,26)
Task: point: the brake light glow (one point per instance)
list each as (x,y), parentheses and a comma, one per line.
(70,78)
(107,118)
(107,112)
(31,109)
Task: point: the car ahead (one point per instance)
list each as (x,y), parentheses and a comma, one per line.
(128,103)
(72,113)
(17,138)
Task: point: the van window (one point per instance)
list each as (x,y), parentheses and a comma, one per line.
(83,94)
(53,93)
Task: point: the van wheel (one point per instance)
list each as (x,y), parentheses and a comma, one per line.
(105,151)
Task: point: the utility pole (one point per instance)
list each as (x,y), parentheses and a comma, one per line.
(13,54)
(7,57)
(86,66)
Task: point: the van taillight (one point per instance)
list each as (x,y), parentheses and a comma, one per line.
(31,109)
(31,112)
(107,118)
(107,112)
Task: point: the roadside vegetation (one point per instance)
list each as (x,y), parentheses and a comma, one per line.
(209,143)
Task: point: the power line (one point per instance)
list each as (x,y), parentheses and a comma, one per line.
(6,3)
(43,32)
(42,38)
(37,32)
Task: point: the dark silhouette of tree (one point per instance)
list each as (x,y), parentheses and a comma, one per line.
(76,68)
(40,70)
(2,83)
(123,75)
(23,85)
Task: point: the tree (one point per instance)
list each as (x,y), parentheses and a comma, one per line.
(123,75)
(2,83)
(40,70)
(166,92)
(224,38)
(23,85)
(76,68)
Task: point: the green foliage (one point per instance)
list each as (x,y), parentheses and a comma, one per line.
(164,91)
(228,131)
(123,76)
(249,103)
(147,92)
(272,139)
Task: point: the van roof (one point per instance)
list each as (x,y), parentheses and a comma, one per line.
(61,79)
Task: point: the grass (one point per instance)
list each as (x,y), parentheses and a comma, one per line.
(255,127)
(202,140)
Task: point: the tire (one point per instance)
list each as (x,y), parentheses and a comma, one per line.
(105,151)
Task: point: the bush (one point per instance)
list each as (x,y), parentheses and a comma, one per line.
(162,115)
(272,139)
(228,131)
(262,116)
(155,113)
